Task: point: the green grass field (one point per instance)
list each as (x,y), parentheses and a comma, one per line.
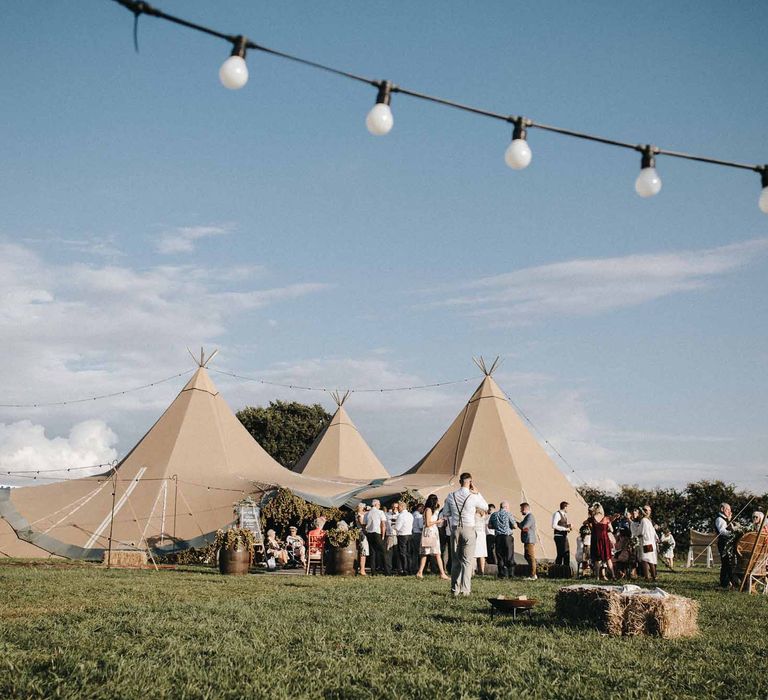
(84,631)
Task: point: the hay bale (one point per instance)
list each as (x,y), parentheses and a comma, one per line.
(628,613)
(595,605)
(669,617)
(126,559)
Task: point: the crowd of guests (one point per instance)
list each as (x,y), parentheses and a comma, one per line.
(456,539)
(624,545)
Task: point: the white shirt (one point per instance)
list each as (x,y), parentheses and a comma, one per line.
(391,517)
(465,502)
(721,524)
(404,523)
(373,520)
(418,522)
(556,518)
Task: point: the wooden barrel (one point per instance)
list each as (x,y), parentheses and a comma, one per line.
(341,561)
(234,562)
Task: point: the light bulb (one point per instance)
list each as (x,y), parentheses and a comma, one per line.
(763,201)
(380,120)
(518,154)
(234,73)
(648,182)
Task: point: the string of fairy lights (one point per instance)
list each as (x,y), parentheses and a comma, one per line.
(379,121)
(64,473)
(296,386)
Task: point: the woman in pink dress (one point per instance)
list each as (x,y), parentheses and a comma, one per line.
(601,547)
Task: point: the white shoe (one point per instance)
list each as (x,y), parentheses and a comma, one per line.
(532,578)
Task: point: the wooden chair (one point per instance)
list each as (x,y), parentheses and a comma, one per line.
(316,551)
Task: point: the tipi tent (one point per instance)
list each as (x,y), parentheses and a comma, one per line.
(340,451)
(489,440)
(173,490)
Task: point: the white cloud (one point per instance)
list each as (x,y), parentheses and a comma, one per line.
(593,286)
(26,449)
(75,330)
(184,238)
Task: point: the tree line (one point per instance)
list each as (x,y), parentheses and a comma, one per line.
(693,508)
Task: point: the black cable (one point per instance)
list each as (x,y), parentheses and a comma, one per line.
(139,8)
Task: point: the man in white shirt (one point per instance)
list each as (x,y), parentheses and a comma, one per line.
(404,531)
(390,541)
(562,527)
(375,530)
(724,530)
(459,510)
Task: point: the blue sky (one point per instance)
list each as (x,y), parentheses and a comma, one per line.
(144,208)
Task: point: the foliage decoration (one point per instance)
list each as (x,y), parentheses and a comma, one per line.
(236,539)
(340,538)
(410,498)
(284,508)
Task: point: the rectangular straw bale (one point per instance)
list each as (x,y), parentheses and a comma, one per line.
(670,617)
(602,608)
(126,559)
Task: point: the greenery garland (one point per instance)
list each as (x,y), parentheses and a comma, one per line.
(285,508)
(341,538)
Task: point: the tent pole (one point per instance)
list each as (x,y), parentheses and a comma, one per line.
(112,517)
(175,478)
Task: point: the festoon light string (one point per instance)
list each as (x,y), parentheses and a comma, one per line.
(40,474)
(380,120)
(545,440)
(98,397)
(266,382)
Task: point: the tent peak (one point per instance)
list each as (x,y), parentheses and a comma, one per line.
(340,398)
(203,360)
(484,367)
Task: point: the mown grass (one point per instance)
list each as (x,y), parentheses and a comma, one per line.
(87,632)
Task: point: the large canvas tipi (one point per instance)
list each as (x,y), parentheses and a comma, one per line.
(173,490)
(340,451)
(489,440)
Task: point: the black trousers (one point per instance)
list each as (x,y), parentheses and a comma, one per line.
(415,551)
(563,550)
(490,543)
(727,574)
(405,554)
(378,554)
(505,556)
(445,548)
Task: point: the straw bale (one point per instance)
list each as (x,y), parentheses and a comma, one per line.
(669,617)
(126,559)
(600,607)
(617,613)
